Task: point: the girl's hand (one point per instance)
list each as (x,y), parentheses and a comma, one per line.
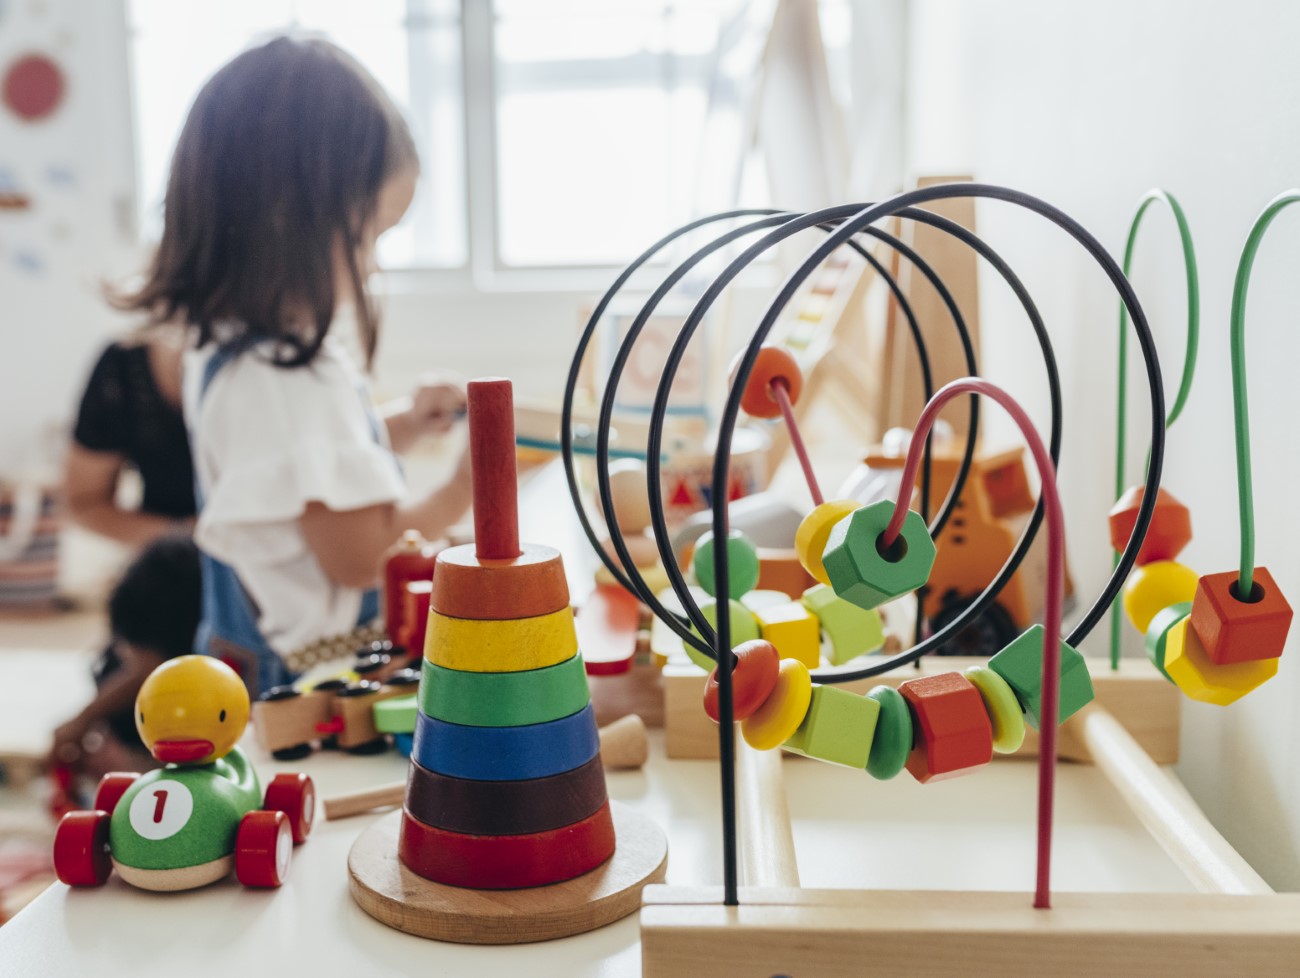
(436,405)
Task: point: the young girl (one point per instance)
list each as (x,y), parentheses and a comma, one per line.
(291,163)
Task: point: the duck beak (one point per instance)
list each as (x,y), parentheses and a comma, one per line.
(181,751)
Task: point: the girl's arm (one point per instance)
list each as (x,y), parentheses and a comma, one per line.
(350,544)
(432,409)
(90,488)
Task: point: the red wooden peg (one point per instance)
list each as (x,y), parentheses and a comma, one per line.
(492,455)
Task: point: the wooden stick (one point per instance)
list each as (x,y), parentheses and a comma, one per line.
(624,744)
(1165,808)
(495,479)
(767,840)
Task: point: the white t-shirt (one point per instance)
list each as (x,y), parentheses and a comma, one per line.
(266,441)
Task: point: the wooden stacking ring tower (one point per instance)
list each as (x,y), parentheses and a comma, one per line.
(506,835)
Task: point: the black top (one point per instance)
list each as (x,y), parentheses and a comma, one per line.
(122,411)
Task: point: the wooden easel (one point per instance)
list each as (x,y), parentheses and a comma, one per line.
(1234,925)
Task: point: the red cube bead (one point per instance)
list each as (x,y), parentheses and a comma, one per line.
(953,734)
(1169,532)
(1232,630)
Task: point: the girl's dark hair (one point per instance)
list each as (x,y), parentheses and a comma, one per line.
(157,603)
(280,162)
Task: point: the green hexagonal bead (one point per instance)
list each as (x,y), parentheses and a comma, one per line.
(1158,631)
(839,727)
(744,628)
(742,564)
(893,741)
(860,573)
(852,631)
(1021,665)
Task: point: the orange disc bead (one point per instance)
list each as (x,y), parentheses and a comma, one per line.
(752,680)
(773,364)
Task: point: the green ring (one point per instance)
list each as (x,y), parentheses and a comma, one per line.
(893,741)
(1158,632)
(504,699)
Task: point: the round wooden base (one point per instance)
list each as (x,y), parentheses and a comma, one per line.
(395,896)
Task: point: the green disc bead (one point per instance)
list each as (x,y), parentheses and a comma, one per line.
(1158,631)
(744,628)
(893,740)
(857,568)
(742,564)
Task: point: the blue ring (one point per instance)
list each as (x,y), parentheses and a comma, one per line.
(537,750)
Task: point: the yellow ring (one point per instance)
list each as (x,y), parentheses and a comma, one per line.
(1003,708)
(810,539)
(784,709)
(507,645)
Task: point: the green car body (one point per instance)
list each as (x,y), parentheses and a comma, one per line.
(178,817)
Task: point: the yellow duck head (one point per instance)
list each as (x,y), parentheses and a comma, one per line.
(191,710)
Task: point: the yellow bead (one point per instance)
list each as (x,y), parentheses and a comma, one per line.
(771,724)
(1003,708)
(810,539)
(1191,668)
(1154,587)
(793,630)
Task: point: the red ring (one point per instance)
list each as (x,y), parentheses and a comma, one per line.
(752,681)
(506,862)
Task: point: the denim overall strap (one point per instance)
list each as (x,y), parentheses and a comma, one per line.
(229,616)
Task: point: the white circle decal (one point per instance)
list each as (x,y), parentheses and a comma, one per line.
(308,807)
(283,850)
(161,809)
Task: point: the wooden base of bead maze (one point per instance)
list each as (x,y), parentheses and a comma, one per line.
(1235,925)
(395,896)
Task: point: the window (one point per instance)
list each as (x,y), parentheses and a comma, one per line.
(553,133)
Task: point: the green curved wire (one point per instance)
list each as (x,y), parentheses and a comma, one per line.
(1245,493)
(1189,358)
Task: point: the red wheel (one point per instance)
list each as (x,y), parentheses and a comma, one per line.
(112,786)
(81,851)
(295,795)
(263,847)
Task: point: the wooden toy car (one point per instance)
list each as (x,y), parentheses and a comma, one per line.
(188,823)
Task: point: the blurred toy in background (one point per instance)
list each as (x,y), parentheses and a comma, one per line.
(988,519)
(408,582)
(289,722)
(189,823)
(153,613)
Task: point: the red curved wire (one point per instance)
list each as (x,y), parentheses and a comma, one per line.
(781,391)
(1055,581)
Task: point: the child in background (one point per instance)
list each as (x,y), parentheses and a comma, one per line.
(291,164)
(153,613)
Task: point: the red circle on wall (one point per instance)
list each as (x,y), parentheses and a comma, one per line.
(33,87)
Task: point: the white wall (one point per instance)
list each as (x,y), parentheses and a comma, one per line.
(75,166)
(1089,105)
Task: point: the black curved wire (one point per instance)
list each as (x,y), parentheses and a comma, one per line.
(869,215)
(704,644)
(677,352)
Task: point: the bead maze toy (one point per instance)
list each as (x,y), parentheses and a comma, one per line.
(506,834)
(937,723)
(1215,636)
(189,823)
